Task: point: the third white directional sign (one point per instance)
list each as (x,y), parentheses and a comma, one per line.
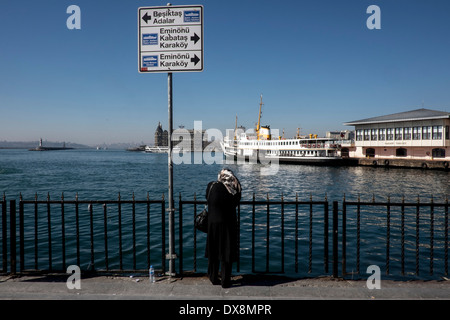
(170,39)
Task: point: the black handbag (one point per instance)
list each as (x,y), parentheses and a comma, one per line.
(201,220)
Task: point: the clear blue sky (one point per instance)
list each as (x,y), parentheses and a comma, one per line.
(315,62)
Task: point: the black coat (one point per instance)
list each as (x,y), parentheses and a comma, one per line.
(221,242)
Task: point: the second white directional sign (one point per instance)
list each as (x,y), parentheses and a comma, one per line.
(170,39)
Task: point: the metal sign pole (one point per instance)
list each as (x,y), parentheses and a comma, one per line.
(171,254)
(159,51)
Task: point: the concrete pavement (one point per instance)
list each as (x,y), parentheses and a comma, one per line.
(198,287)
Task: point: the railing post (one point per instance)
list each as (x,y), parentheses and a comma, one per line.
(310,233)
(77,226)
(180,236)
(12,234)
(4,236)
(91,218)
(253,233)
(296,232)
(446,236)
(49,232)
(431,235)
(335,239)
(403,236)
(325,233)
(344,240)
(282,233)
(63,234)
(268,234)
(417,234)
(358,234)
(388,234)
(119,218)
(36,233)
(163,234)
(105,234)
(195,233)
(238,263)
(21,235)
(133,214)
(148,231)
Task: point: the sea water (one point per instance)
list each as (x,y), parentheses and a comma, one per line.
(103,174)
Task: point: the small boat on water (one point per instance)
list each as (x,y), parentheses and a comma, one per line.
(149,149)
(158,149)
(302,150)
(141,148)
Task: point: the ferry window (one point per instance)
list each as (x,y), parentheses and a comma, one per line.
(390,134)
(447,133)
(426,133)
(401,152)
(382,134)
(438,153)
(398,134)
(407,133)
(437,132)
(416,133)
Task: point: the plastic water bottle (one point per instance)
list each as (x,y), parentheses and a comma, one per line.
(151,274)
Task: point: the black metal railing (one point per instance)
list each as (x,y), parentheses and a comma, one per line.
(274,221)
(289,236)
(418,230)
(55,233)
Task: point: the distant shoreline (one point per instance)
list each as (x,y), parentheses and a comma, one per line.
(50,144)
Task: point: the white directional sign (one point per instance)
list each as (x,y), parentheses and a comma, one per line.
(170,39)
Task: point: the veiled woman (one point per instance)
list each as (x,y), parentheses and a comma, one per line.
(222,196)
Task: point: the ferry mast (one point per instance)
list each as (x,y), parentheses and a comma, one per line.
(258,126)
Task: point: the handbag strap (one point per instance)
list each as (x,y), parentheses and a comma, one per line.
(209,191)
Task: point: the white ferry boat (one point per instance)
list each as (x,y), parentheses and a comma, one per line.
(149,149)
(260,143)
(157,149)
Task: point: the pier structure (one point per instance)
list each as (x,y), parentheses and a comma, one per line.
(42,148)
(417,139)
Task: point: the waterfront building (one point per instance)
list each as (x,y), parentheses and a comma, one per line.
(340,135)
(420,134)
(186,139)
(161,136)
(190,139)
